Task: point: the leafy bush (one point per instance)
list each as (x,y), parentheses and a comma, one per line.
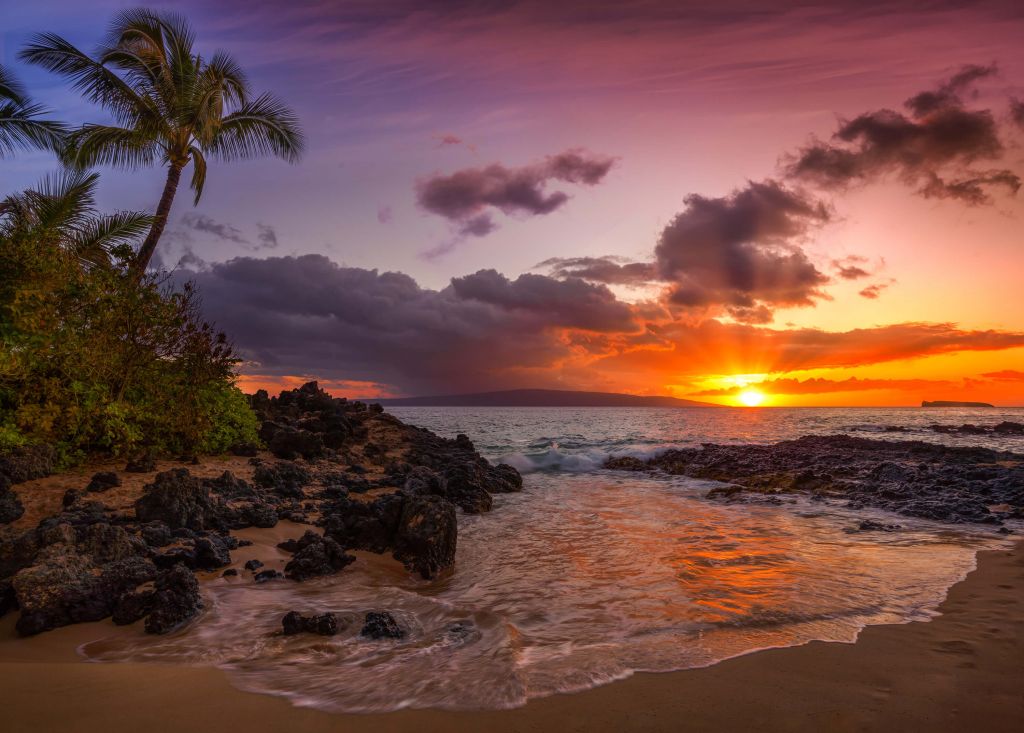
(94,362)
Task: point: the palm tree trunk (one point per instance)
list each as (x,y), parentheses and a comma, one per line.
(163,210)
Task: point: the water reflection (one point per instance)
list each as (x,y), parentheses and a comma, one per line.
(580,580)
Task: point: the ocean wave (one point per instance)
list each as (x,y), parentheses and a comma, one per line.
(555,457)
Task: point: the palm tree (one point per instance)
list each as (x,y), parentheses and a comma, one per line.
(170,105)
(62,210)
(20,126)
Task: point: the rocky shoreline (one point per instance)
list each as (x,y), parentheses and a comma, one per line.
(363,478)
(913,478)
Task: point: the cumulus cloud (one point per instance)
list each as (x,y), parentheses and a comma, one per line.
(302,315)
(932,147)
(608,269)
(741,250)
(467,197)
(572,302)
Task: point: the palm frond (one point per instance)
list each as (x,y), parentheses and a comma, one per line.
(264,126)
(92,79)
(11,89)
(92,240)
(198,173)
(21,128)
(92,145)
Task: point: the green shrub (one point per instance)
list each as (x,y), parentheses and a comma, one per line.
(94,362)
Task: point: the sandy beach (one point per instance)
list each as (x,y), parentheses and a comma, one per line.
(961,670)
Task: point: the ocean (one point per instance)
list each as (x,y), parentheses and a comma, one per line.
(589,575)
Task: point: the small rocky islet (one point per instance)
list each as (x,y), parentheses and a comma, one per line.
(953,484)
(367,480)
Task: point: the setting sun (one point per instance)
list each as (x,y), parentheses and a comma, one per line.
(751,397)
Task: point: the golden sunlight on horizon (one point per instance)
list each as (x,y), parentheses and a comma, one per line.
(751,397)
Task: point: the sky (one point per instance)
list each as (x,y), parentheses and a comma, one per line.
(817,200)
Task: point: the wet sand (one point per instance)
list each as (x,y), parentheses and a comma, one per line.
(963,670)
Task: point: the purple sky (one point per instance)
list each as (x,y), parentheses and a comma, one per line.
(679,98)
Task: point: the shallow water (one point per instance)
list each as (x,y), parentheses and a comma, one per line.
(586,576)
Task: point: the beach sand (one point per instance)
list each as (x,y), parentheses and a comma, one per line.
(963,670)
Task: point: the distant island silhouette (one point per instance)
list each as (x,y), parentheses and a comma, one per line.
(540,398)
(951,403)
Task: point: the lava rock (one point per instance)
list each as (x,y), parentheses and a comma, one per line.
(103,481)
(27,462)
(289,444)
(325,624)
(381,625)
(285,478)
(229,573)
(134,606)
(253,565)
(426,536)
(176,600)
(265,576)
(145,463)
(245,449)
(70,497)
(178,499)
(10,506)
(318,557)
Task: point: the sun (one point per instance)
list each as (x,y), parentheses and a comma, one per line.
(751,397)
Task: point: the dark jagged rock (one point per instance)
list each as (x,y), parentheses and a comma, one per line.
(178,499)
(284,478)
(103,481)
(146,463)
(265,576)
(913,478)
(70,497)
(211,553)
(1009,428)
(27,462)
(289,444)
(426,536)
(358,525)
(253,565)
(65,587)
(229,573)
(134,606)
(156,534)
(245,449)
(176,600)
(10,506)
(325,624)
(229,487)
(8,598)
(381,625)
(317,557)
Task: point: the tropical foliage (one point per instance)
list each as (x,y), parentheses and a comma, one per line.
(92,360)
(20,125)
(170,106)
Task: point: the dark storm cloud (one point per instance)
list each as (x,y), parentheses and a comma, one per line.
(203,223)
(932,148)
(307,314)
(572,302)
(609,269)
(467,195)
(740,250)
